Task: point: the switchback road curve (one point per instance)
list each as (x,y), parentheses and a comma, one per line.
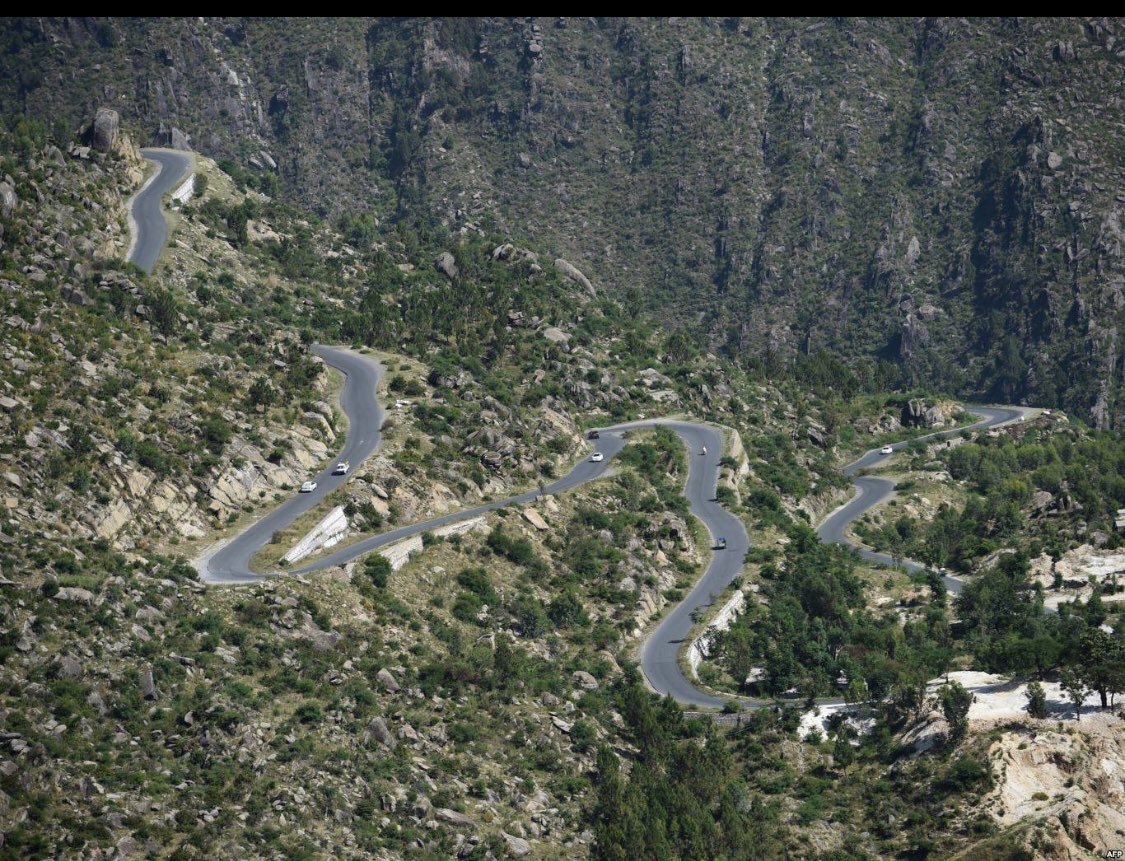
(146,215)
(229,562)
(872,490)
(659,654)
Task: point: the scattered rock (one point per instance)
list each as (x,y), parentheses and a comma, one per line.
(75,296)
(913,251)
(388,681)
(95,701)
(452,817)
(148,685)
(323,641)
(1054,160)
(69,667)
(535,519)
(915,335)
(513,253)
(560,724)
(8,199)
(651,378)
(556,335)
(378,730)
(517,846)
(584,680)
(172,137)
(148,615)
(75,594)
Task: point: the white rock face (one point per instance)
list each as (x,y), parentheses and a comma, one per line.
(115,519)
(535,519)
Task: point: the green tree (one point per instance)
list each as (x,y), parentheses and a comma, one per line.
(163,311)
(1101,664)
(955,703)
(261,393)
(1036,700)
(843,754)
(1075,688)
(505,663)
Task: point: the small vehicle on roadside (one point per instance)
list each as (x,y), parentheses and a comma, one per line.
(594,434)
(342,468)
(308,487)
(886,450)
(703,451)
(597,457)
(720,544)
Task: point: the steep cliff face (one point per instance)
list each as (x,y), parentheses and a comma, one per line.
(943,194)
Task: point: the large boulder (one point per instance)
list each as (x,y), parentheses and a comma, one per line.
(172,137)
(148,685)
(452,817)
(914,414)
(103,133)
(69,667)
(75,594)
(569,270)
(584,680)
(8,199)
(446,265)
(517,846)
(377,730)
(915,336)
(387,681)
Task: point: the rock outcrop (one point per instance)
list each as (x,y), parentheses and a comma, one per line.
(569,270)
(170,136)
(446,265)
(104,130)
(8,198)
(1069,784)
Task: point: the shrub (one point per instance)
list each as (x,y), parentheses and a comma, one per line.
(378,569)
(1036,700)
(308,713)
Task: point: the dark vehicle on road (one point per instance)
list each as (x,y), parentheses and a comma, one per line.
(594,434)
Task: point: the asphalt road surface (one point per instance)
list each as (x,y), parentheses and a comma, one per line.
(146,212)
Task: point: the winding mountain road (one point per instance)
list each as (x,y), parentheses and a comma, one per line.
(872,490)
(146,214)
(659,654)
(229,561)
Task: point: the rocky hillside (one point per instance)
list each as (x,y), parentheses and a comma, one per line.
(943,194)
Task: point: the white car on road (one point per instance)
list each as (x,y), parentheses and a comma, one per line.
(308,487)
(886,450)
(342,468)
(597,457)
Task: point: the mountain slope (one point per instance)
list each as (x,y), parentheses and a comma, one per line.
(942,194)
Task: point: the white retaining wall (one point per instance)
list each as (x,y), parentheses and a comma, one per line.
(325,534)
